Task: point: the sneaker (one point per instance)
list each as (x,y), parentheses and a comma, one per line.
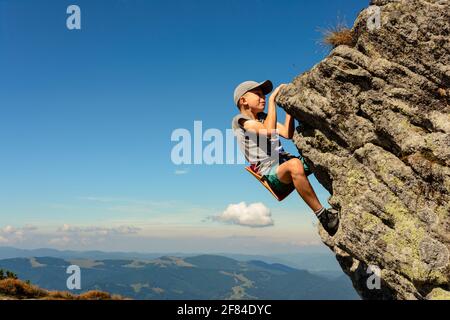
(329,219)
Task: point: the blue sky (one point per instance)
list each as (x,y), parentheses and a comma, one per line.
(86,118)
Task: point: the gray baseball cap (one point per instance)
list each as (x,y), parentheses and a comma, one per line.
(246,86)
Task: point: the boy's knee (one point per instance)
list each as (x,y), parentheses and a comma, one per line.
(296,167)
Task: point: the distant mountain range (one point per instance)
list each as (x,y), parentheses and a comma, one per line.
(316,261)
(170,277)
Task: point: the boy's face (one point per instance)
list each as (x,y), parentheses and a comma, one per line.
(255,99)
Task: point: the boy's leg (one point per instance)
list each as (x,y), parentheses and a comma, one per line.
(292,171)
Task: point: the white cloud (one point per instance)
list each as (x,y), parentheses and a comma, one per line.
(255,215)
(121,230)
(10,234)
(7,230)
(87,236)
(125,230)
(179,172)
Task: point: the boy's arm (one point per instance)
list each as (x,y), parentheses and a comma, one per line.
(270,123)
(287,130)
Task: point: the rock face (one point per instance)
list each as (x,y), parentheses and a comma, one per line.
(375,129)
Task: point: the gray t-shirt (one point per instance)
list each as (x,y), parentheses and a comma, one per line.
(258,149)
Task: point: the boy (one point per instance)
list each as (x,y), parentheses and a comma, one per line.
(258,137)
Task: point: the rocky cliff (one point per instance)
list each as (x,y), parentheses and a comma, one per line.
(375,128)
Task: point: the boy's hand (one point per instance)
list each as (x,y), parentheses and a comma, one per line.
(276,91)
